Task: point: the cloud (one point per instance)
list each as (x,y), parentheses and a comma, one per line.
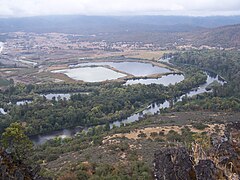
(119,7)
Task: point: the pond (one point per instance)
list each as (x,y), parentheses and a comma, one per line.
(164,80)
(134,68)
(91,74)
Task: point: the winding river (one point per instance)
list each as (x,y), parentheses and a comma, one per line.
(153,108)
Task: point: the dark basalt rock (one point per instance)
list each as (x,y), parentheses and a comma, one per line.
(173,164)
(206,170)
(232,129)
(177,164)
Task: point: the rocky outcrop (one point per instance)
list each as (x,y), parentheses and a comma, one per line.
(206,170)
(176,164)
(173,164)
(228,152)
(221,161)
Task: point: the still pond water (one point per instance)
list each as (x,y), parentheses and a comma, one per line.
(134,68)
(91,74)
(164,80)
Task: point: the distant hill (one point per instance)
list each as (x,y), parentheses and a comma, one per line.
(226,36)
(96,24)
(205,22)
(89,25)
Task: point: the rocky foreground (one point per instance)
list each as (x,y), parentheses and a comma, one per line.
(222,161)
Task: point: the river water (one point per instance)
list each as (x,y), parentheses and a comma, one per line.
(1,47)
(153,108)
(2,111)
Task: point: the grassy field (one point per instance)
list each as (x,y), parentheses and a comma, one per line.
(141,54)
(144,54)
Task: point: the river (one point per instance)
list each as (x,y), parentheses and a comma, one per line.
(153,108)
(1,47)
(2,111)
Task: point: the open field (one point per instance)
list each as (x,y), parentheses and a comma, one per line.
(145,54)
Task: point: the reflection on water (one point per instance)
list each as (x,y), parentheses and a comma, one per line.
(134,68)
(61,96)
(211,77)
(40,139)
(50,96)
(2,111)
(1,47)
(153,108)
(91,74)
(23,102)
(164,80)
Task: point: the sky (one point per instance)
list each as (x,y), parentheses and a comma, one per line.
(21,8)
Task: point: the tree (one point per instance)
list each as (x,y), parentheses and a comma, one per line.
(107,127)
(16,142)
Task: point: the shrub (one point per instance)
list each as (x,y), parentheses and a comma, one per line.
(52,157)
(173,136)
(161,133)
(200,126)
(159,139)
(153,134)
(142,135)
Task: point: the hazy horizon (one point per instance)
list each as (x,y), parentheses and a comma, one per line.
(28,8)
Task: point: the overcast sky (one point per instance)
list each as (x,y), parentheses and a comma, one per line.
(18,8)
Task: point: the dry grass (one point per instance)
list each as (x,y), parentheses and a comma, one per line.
(134,134)
(146,54)
(141,54)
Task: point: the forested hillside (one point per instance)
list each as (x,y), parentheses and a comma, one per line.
(226,64)
(224,37)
